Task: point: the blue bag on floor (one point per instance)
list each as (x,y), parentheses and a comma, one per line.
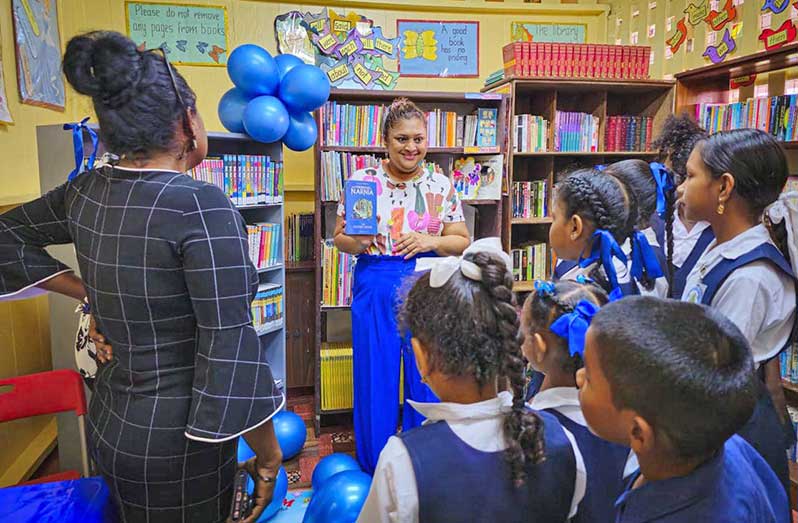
(75,501)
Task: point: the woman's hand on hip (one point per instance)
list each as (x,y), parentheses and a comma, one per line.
(105,352)
(414,243)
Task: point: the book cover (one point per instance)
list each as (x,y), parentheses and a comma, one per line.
(361,207)
(487,122)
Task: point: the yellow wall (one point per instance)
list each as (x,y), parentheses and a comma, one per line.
(621,24)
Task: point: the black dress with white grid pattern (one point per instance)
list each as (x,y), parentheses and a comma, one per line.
(166,266)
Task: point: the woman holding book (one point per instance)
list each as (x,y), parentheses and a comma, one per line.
(418,215)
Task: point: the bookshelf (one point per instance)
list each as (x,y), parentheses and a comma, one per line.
(545,97)
(484,217)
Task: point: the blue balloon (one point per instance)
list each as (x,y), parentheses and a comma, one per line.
(291,433)
(302,132)
(231,110)
(253,70)
(280,490)
(340,499)
(331,465)
(286,62)
(304,88)
(265,119)
(244,452)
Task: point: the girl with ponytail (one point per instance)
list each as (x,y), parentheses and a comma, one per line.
(483,455)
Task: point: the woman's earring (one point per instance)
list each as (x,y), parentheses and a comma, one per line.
(721,208)
(194,144)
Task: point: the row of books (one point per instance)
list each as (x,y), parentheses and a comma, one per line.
(336,376)
(337,276)
(530,199)
(544,59)
(628,133)
(264,244)
(246,178)
(351,125)
(530,134)
(576,132)
(299,237)
(336,167)
(774,114)
(267,307)
(789,364)
(529,262)
(449,129)
(792,452)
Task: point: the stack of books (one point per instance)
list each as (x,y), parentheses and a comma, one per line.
(267,307)
(299,240)
(576,132)
(529,262)
(351,125)
(264,244)
(530,199)
(336,376)
(530,134)
(337,276)
(337,167)
(247,179)
(774,114)
(628,133)
(560,60)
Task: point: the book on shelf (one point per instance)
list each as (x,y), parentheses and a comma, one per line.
(529,262)
(361,207)
(530,199)
(530,134)
(247,179)
(575,132)
(264,244)
(478,177)
(563,60)
(773,114)
(337,167)
(336,376)
(792,451)
(628,133)
(337,276)
(267,307)
(299,237)
(360,126)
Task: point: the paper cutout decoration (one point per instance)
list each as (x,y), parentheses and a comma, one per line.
(697,13)
(676,40)
(742,81)
(717,20)
(379,45)
(387,79)
(340,26)
(365,76)
(776,6)
(317,23)
(773,39)
(718,53)
(422,45)
(735,30)
(351,46)
(337,74)
(293,36)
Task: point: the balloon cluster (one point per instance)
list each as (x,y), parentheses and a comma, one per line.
(273,97)
(340,490)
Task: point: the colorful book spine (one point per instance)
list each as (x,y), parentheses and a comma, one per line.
(775,115)
(337,276)
(529,262)
(530,199)
(246,179)
(267,307)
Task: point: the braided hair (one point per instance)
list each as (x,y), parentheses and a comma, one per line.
(470,328)
(400,109)
(542,308)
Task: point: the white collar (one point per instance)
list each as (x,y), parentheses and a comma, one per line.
(742,243)
(555,397)
(487,409)
(134,169)
(681,232)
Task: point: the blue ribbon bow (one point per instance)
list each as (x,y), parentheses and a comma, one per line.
(584,280)
(644,258)
(77,144)
(664,179)
(544,288)
(604,249)
(573,326)
(600,167)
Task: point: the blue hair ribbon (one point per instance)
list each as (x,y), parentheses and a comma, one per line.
(545,288)
(603,250)
(77,144)
(644,259)
(664,180)
(573,326)
(600,167)
(581,278)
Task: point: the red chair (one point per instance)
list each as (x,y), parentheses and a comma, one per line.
(47,393)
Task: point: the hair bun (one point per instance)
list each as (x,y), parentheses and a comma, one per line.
(105,65)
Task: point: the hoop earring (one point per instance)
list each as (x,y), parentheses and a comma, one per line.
(721,209)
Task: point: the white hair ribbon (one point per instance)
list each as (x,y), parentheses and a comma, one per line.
(443,268)
(786,209)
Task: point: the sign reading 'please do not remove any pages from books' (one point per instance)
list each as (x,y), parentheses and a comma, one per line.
(438,49)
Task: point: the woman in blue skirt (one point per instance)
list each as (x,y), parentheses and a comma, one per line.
(418,214)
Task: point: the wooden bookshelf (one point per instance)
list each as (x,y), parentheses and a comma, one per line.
(488,215)
(544,97)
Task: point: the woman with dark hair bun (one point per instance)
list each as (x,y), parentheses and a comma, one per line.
(167,276)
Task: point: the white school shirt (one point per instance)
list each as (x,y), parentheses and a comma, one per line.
(393,497)
(565,400)
(683,240)
(621,271)
(661,286)
(758,298)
